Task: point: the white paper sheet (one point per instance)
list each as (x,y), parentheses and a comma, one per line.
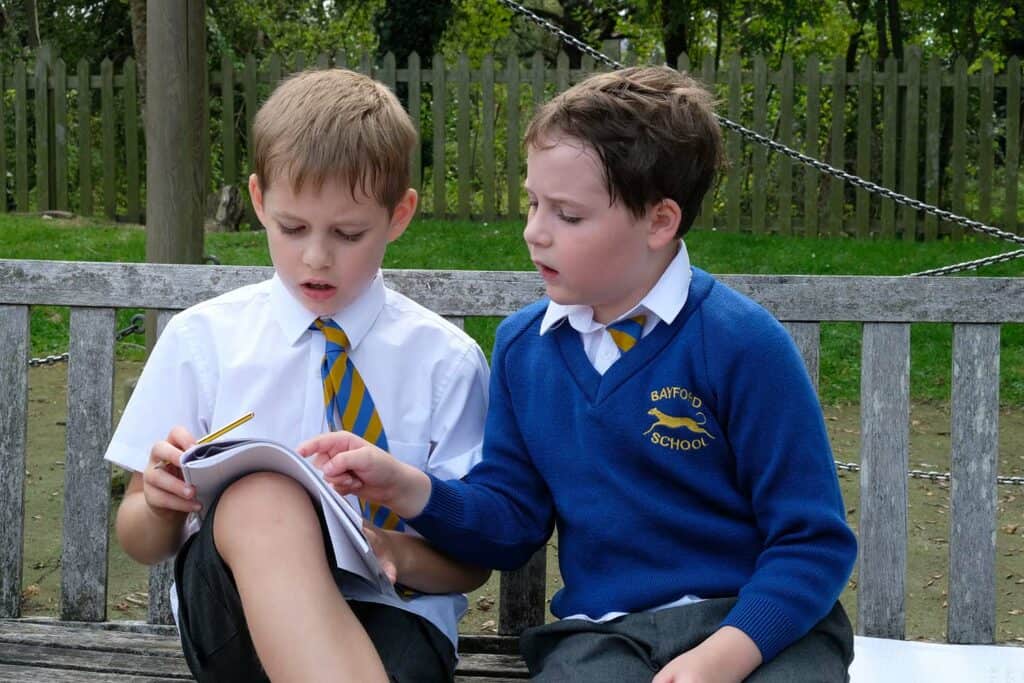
(883,660)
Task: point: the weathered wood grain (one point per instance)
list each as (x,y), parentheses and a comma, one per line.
(86,474)
(885,440)
(13,429)
(797,298)
(807,337)
(975,443)
(521,601)
(39,647)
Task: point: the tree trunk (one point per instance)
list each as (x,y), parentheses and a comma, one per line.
(31,23)
(675,29)
(895,29)
(138,14)
(883,39)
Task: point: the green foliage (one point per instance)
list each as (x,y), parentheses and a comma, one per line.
(265,26)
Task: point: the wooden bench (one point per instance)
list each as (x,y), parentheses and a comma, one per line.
(83,645)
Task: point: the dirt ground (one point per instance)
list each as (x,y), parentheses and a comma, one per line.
(928,519)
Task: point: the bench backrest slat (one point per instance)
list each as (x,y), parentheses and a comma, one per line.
(801,298)
(86,474)
(885,439)
(973,468)
(13,431)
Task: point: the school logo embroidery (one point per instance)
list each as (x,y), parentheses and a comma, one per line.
(675,431)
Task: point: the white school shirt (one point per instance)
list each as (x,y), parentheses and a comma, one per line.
(663,303)
(251,349)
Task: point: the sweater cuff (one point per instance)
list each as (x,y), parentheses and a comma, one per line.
(443,509)
(767,625)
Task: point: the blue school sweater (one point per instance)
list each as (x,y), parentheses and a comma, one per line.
(697,464)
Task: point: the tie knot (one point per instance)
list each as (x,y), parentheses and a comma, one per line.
(626,333)
(332,331)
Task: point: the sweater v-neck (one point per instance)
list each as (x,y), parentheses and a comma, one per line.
(597,387)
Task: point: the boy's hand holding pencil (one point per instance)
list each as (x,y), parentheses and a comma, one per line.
(165,489)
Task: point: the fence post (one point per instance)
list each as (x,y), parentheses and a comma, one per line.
(107,114)
(931,182)
(911,123)
(811,147)
(60,134)
(759,179)
(512,142)
(958,159)
(985,142)
(891,111)
(462,161)
(865,104)
(42,132)
(131,141)
(734,147)
(227,120)
(838,157)
(1012,161)
(487,129)
(706,219)
(438,97)
(785,164)
(3,140)
(20,136)
(414,95)
(85,206)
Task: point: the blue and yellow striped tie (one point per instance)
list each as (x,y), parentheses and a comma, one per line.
(349,406)
(626,333)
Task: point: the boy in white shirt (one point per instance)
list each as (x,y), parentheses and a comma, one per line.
(257,591)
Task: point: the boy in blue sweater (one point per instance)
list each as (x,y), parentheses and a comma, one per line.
(662,422)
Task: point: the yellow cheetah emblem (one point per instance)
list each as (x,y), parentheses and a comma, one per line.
(673,422)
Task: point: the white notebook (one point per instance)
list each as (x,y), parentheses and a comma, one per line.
(211,467)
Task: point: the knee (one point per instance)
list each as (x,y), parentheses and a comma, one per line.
(259,509)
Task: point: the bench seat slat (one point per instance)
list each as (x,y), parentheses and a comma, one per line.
(86,474)
(39,648)
(973,469)
(885,441)
(14,331)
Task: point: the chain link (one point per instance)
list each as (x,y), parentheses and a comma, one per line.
(821,166)
(930,475)
(137,326)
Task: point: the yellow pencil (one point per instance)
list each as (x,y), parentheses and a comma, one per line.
(226,428)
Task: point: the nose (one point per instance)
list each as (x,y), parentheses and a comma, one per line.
(316,255)
(533,232)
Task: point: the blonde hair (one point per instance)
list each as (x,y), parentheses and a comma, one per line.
(653,128)
(334,124)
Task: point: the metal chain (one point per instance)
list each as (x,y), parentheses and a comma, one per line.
(929,475)
(138,326)
(821,166)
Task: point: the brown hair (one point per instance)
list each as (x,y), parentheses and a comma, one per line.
(653,128)
(334,124)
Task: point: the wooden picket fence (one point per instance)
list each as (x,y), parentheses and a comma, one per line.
(938,134)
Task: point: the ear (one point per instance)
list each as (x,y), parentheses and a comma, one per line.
(664,217)
(402,214)
(256,197)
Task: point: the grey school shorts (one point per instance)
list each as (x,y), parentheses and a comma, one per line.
(215,637)
(635,647)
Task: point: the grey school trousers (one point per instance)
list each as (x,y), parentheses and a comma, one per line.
(635,647)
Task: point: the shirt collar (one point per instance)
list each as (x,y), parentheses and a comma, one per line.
(663,301)
(355,319)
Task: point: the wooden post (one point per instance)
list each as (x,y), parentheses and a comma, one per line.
(175,119)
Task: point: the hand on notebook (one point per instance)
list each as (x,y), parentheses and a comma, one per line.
(383,547)
(353,465)
(165,490)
